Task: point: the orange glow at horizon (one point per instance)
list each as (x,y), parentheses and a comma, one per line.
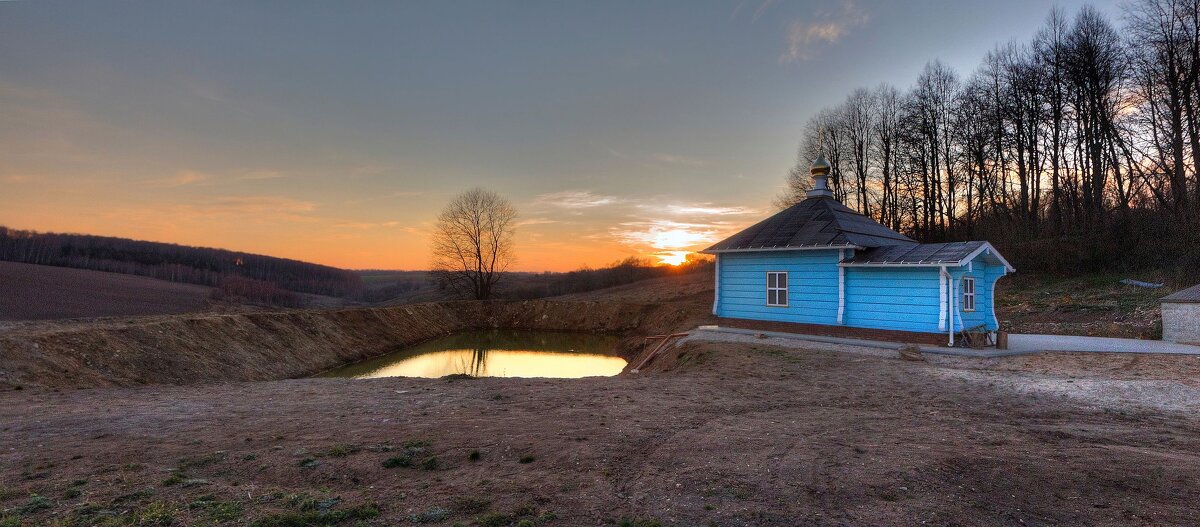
(673,257)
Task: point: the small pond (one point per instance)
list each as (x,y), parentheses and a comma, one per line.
(499,353)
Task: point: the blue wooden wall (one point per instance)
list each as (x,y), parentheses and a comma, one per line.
(904,298)
(893,298)
(812,286)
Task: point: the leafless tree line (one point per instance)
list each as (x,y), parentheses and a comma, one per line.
(1092,127)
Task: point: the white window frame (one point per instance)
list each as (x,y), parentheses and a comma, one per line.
(777,289)
(968,293)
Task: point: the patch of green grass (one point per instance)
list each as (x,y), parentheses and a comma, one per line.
(317,518)
(470,505)
(175,478)
(191,462)
(525,516)
(308,462)
(10,521)
(639,522)
(433,515)
(8,493)
(249,457)
(72,493)
(493,519)
(134,496)
(417,445)
(157,513)
(36,503)
(430,463)
(218,511)
(343,450)
(398,462)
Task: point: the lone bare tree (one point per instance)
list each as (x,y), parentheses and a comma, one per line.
(472,243)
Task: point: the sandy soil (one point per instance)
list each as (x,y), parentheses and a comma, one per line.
(36,292)
(722,434)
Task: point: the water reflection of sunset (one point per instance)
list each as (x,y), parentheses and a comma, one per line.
(497,353)
(501,363)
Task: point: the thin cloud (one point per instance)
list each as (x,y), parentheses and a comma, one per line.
(574,199)
(182,178)
(805,36)
(255,175)
(367,225)
(762,8)
(614,152)
(671,159)
(535,221)
(16,178)
(256,204)
(708,209)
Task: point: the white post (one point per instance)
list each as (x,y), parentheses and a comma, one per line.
(942,279)
(953,305)
(841,319)
(717,284)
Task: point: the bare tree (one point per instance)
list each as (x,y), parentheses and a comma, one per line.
(859,114)
(472,243)
(889,120)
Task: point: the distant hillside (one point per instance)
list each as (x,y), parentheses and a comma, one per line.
(386,288)
(174,263)
(38,292)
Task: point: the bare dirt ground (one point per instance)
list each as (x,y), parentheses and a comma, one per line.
(719,434)
(748,432)
(38,292)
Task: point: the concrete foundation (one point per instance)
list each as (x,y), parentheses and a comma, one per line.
(1181,322)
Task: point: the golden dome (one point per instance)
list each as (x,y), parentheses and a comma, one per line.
(820,167)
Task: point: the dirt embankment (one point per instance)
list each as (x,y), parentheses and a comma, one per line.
(205,348)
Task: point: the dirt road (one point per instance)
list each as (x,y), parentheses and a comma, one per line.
(732,434)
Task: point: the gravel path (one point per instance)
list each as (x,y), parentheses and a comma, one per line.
(1172,394)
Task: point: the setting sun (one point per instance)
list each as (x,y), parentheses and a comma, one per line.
(672,257)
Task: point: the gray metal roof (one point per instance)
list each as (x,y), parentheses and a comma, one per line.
(923,254)
(1187,296)
(815,222)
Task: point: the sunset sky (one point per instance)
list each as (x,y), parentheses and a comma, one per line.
(334,132)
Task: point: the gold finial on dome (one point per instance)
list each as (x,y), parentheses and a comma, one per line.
(820,167)
(820,174)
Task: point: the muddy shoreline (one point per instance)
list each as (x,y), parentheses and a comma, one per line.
(208,348)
